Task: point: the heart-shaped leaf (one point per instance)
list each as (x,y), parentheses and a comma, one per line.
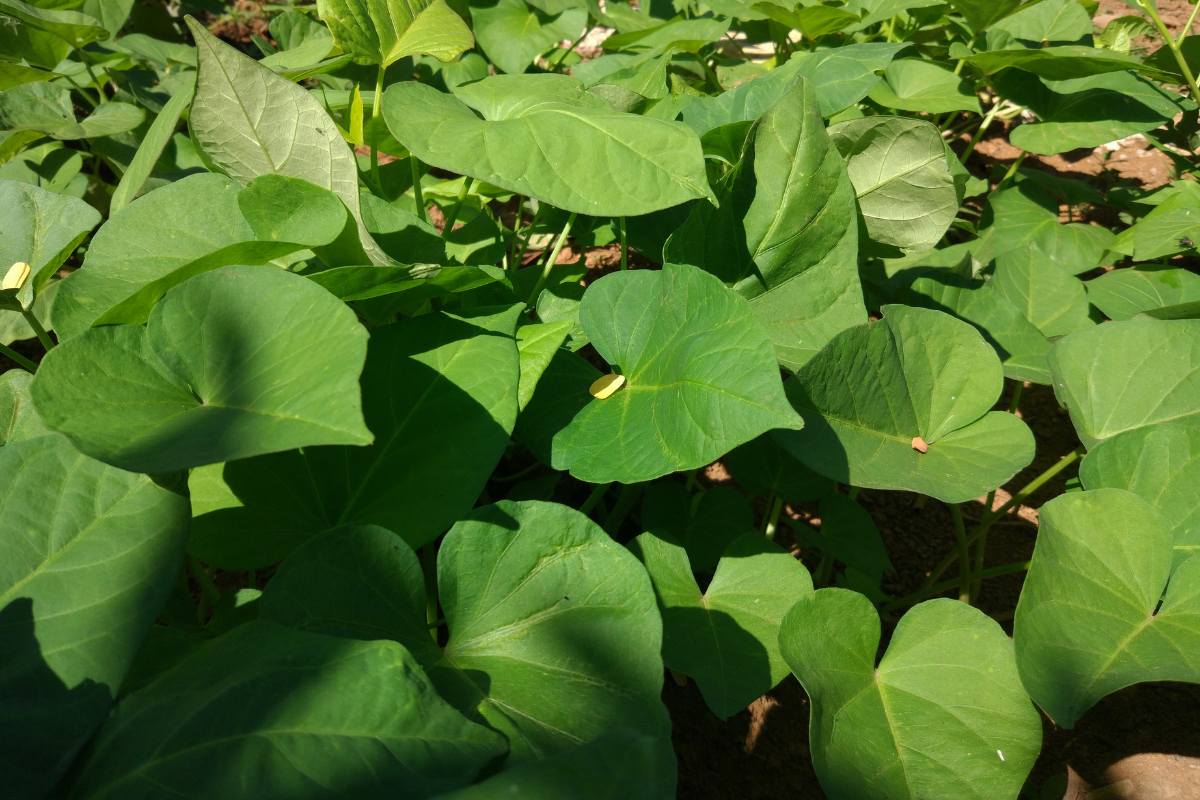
(1161,464)
(512,33)
(1125,375)
(726,636)
(554,633)
(1125,293)
(385,32)
(18,418)
(251,122)
(904,403)
(539,135)
(701,377)
(41,228)
(215,374)
(436,443)
(308,715)
(87,555)
(898,167)
(910,84)
(1093,616)
(942,715)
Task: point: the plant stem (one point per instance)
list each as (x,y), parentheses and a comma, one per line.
(771,521)
(1014,402)
(91,74)
(38,330)
(545,276)
(977,567)
(528,233)
(210,595)
(964,554)
(983,126)
(563,55)
(1188,27)
(418,195)
(1169,40)
(594,498)
(1031,487)
(937,588)
(428,558)
(624,243)
(18,359)
(453,216)
(376,107)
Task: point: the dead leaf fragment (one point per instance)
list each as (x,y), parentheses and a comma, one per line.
(920,445)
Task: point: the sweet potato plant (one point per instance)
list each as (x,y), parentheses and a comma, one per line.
(331,469)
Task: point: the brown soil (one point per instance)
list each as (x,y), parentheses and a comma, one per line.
(244,20)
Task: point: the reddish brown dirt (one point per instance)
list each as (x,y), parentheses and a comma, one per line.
(244,20)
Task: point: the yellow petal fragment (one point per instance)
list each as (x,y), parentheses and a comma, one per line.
(16,276)
(606,385)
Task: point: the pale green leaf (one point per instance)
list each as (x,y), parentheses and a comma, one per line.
(1125,293)
(910,84)
(384,31)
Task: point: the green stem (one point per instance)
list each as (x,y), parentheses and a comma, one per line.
(1169,40)
(545,276)
(771,521)
(18,359)
(980,558)
(376,107)
(853,493)
(91,74)
(453,216)
(938,588)
(1012,169)
(427,555)
(627,498)
(964,554)
(210,595)
(1014,402)
(983,126)
(594,498)
(824,571)
(563,55)
(528,234)
(1187,28)
(38,330)
(1031,487)
(624,243)
(418,195)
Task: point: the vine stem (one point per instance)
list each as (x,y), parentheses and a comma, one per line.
(17,358)
(1031,487)
(545,276)
(1170,42)
(38,330)
(418,195)
(936,589)
(453,216)
(593,499)
(964,554)
(988,119)
(376,107)
(624,243)
(771,521)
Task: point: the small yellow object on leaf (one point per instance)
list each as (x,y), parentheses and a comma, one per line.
(606,385)
(16,276)
(920,445)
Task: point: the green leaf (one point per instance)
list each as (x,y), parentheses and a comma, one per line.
(251,122)
(705,524)
(308,715)
(942,715)
(1027,215)
(18,418)
(13,75)
(918,378)
(1125,293)
(376,592)
(898,166)
(1085,112)
(842,76)
(537,345)
(88,554)
(726,636)
(1171,227)
(1061,62)
(677,34)
(384,31)
(151,148)
(1093,617)
(1160,464)
(1040,23)
(436,443)
(1055,302)
(539,135)
(283,209)
(72,27)
(47,108)
(554,633)
(215,374)
(41,228)
(419,282)
(512,34)
(801,232)
(701,377)
(910,84)
(1125,375)
(980,14)
(763,466)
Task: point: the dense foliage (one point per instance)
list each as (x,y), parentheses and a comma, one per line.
(328,469)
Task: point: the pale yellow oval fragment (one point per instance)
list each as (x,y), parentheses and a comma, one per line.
(16,276)
(606,385)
